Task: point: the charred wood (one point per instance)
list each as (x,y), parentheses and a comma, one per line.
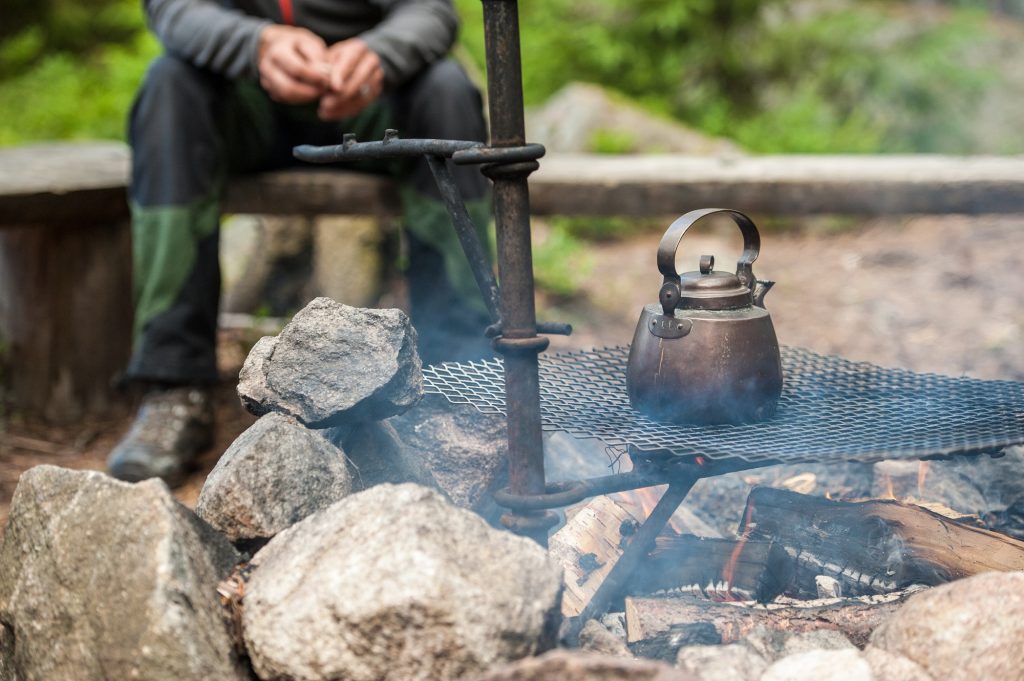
(665,645)
(718,568)
(648,618)
(874,546)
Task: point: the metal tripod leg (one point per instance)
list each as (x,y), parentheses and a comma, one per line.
(642,544)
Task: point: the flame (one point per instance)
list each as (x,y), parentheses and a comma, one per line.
(890,493)
(828,494)
(922,474)
(730,568)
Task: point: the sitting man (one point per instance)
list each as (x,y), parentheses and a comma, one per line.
(240,84)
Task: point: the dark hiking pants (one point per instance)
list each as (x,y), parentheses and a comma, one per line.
(190,130)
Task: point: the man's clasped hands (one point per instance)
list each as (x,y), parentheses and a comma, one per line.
(297,67)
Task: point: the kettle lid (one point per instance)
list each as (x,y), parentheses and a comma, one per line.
(708,289)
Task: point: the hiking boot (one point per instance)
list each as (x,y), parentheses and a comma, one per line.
(172,427)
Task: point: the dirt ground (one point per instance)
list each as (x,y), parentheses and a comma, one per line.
(930,294)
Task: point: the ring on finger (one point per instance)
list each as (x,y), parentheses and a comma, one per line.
(364,90)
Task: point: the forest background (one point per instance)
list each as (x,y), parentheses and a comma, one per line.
(777,76)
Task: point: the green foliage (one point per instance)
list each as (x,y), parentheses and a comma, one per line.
(611,142)
(64,97)
(775,76)
(561,262)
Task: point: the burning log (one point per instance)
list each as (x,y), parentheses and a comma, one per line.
(874,546)
(593,538)
(721,569)
(649,619)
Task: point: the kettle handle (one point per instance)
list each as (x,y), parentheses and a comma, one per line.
(674,234)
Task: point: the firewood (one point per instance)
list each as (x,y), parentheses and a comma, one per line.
(874,546)
(719,568)
(592,541)
(648,618)
(587,547)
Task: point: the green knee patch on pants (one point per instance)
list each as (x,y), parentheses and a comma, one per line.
(164,241)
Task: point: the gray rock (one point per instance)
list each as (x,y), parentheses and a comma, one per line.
(821,665)
(377,455)
(576,116)
(572,665)
(6,653)
(818,639)
(275,474)
(466,451)
(733,662)
(101,579)
(968,630)
(396,583)
(774,644)
(888,666)
(332,364)
(597,638)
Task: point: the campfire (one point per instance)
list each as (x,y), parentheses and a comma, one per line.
(360,529)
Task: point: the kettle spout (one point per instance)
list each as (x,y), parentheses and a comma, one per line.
(761,289)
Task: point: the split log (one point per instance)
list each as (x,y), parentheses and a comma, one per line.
(874,546)
(647,619)
(587,547)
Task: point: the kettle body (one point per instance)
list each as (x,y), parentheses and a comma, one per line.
(707,352)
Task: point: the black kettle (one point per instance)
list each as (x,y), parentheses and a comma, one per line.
(706,353)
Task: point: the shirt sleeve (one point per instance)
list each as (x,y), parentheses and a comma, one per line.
(208,35)
(413,34)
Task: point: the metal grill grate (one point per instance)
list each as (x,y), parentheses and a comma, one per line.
(831,409)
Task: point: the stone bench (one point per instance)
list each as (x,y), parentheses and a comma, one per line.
(65,253)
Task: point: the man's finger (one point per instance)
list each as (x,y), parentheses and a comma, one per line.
(345,56)
(293,64)
(367,78)
(284,88)
(312,49)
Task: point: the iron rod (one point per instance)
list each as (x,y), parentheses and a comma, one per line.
(515,258)
(479,263)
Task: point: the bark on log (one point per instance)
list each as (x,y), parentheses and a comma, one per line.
(719,568)
(647,618)
(875,546)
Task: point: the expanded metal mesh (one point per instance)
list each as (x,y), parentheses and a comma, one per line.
(831,408)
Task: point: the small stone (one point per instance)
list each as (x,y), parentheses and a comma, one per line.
(821,665)
(888,666)
(275,474)
(101,579)
(573,665)
(828,587)
(333,363)
(396,583)
(968,630)
(733,662)
(818,639)
(595,638)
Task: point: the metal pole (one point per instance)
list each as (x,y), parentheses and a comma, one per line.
(518,342)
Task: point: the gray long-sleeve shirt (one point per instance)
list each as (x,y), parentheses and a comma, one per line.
(224,36)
